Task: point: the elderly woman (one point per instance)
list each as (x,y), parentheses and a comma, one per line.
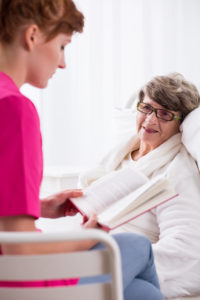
(173,227)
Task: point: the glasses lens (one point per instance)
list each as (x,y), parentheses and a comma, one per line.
(145,108)
(165,115)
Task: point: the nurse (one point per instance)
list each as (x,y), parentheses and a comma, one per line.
(33,36)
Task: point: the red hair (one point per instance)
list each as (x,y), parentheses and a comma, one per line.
(51,16)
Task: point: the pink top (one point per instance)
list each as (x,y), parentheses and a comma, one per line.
(21,159)
(20,152)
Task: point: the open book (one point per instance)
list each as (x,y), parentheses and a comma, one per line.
(123,195)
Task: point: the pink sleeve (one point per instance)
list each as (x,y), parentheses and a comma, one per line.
(21,162)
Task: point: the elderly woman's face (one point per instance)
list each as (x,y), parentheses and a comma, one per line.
(152,130)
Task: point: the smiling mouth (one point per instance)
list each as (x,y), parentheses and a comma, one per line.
(149,130)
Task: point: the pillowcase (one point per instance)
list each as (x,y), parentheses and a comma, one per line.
(190,129)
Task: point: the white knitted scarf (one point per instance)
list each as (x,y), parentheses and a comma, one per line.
(147,164)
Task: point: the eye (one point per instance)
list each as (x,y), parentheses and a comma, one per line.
(146,107)
(167,115)
(62,47)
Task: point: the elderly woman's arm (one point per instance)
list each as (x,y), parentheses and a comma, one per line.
(177,253)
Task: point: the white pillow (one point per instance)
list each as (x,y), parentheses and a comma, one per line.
(190,129)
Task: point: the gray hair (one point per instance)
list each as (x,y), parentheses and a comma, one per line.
(173,92)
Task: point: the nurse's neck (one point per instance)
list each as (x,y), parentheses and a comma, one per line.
(12,63)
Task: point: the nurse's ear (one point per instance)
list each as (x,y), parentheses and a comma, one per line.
(32,36)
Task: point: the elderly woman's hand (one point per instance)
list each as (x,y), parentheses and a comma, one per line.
(92,222)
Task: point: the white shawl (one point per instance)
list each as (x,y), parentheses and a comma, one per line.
(175,224)
(148,164)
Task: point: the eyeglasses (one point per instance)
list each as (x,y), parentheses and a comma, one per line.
(162,114)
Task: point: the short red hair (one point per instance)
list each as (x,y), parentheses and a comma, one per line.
(51,16)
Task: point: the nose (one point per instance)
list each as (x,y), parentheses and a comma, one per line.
(62,64)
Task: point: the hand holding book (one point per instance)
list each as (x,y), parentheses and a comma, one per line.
(123,195)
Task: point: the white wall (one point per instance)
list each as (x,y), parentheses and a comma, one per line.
(124,44)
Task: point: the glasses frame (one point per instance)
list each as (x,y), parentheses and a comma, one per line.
(174,117)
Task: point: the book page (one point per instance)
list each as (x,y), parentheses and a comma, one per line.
(109,189)
(135,198)
(160,198)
